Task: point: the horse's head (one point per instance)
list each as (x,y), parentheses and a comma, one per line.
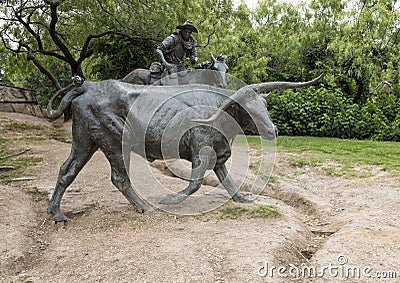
(218,76)
(219,64)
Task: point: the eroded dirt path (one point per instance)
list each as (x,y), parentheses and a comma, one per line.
(324,218)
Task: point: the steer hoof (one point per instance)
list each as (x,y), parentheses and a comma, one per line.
(240,198)
(173,199)
(150,211)
(60,217)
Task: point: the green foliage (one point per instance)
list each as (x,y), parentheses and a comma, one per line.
(40,83)
(322,112)
(114,57)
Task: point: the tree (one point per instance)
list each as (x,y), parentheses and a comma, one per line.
(114,57)
(63,30)
(365,48)
(4,80)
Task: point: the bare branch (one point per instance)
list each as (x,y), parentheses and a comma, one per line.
(41,68)
(85,47)
(53,32)
(18,15)
(209,36)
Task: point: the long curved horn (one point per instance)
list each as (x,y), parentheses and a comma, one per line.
(267,87)
(264,87)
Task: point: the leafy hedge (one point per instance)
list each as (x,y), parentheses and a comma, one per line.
(328,113)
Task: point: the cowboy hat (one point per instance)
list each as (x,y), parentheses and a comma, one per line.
(188,25)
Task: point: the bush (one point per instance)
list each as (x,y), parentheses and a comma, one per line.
(328,113)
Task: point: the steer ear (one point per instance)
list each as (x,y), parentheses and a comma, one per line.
(221,58)
(213,58)
(213,61)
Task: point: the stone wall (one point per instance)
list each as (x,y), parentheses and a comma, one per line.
(20,100)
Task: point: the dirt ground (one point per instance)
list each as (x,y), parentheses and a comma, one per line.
(331,229)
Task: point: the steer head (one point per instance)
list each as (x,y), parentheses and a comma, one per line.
(253,115)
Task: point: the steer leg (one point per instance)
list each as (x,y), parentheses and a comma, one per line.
(120,179)
(227,181)
(81,152)
(198,170)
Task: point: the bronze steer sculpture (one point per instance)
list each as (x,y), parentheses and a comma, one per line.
(217,78)
(101,112)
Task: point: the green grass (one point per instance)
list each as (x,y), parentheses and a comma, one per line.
(16,165)
(31,138)
(16,126)
(3,141)
(336,157)
(251,211)
(19,165)
(315,151)
(252,141)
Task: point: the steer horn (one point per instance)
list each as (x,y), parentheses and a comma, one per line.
(264,87)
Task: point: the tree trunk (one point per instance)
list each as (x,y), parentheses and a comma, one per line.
(362,90)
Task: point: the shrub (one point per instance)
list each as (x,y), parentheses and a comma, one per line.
(328,113)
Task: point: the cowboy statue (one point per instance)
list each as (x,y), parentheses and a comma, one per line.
(173,50)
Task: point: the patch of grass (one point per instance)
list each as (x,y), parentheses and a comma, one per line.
(345,154)
(349,153)
(16,126)
(14,161)
(3,140)
(332,170)
(253,142)
(250,211)
(233,212)
(273,180)
(32,138)
(264,211)
(19,166)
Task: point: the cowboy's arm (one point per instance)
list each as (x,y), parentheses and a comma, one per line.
(162,59)
(193,53)
(162,48)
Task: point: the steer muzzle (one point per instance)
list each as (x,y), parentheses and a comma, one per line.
(269,133)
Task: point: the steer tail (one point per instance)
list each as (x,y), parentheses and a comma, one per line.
(66,102)
(266,87)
